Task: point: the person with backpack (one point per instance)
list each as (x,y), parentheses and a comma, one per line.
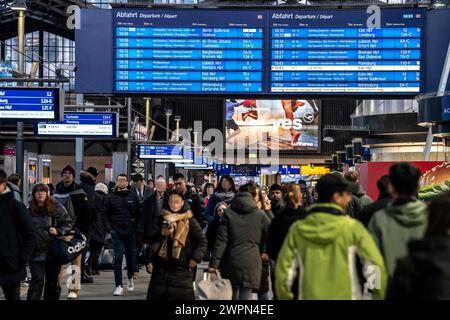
(14,183)
(50,220)
(17,237)
(121,218)
(240,242)
(76,202)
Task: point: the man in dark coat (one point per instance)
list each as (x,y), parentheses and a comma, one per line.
(120,217)
(195,201)
(140,190)
(151,213)
(384,198)
(240,242)
(88,179)
(17,236)
(276,199)
(76,201)
(98,230)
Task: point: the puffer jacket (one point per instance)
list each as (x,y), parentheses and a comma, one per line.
(393,227)
(240,241)
(121,212)
(17,237)
(171,278)
(61,221)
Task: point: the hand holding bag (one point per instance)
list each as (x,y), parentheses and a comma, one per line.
(219,289)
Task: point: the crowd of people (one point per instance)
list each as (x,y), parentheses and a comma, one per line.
(335,244)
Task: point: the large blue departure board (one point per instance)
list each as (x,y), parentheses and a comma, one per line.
(331,51)
(264,52)
(194,51)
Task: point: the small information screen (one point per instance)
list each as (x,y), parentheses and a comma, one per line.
(29,104)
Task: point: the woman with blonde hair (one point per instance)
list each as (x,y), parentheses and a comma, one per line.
(50,220)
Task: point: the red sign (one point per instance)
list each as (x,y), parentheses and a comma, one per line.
(9,152)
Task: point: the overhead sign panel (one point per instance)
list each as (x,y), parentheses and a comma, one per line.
(193,51)
(160,152)
(29,104)
(331,51)
(82,124)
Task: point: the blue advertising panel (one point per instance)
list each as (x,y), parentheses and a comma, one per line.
(29,104)
(332,51)
(81,124)
(193,51)
(160,152)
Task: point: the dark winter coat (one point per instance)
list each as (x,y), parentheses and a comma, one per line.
(98,228)
(121,212)
(240,241)
(147,193)
(215,199)
(88,186)
(355,208)
(277,207)
(197,205)
(16,191)
(79,205)
(370,209)
(361,194)
(171,278)
(150,219)
(17,236)
(279,229)
(42,222)
(425,273)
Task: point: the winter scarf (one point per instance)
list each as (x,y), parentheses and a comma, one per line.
(180,235)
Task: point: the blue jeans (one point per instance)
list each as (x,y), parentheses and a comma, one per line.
(123,244)
(242,293)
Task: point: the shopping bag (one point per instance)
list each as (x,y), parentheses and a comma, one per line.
(218,289)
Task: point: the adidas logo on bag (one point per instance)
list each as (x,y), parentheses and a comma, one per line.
(78,247)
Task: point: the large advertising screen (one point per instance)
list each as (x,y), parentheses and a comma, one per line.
(273,124)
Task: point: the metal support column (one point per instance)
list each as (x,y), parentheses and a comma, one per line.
(129,137)
(440,93)
(20,150)
(79,145)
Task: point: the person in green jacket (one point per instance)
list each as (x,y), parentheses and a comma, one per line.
(403,220)
(322,250)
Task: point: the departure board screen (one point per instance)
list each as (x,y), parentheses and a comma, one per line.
(29,105)
(160,152)
(192,51)
(82,124)
(330,51)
